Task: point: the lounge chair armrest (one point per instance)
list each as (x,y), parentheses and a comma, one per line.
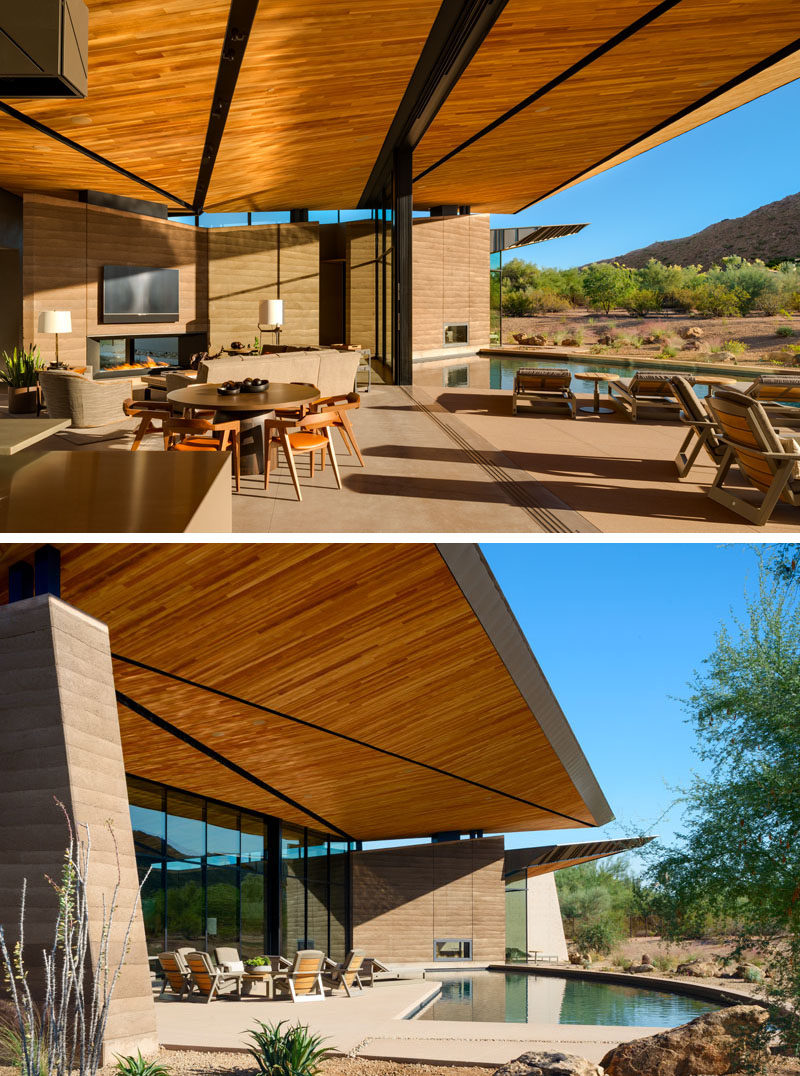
(760,452)
(621,388)
(328,963)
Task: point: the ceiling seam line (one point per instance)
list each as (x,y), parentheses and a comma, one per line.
(198,745)
(574,69)
(241,16)
(731,84)
(96,157)
(343,736)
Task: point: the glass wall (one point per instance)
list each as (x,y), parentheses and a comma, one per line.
(209,880)
(517,918)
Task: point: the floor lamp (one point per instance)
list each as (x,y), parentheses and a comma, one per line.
(270,317)
(55,321)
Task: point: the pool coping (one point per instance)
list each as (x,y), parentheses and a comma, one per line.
(643,981)
(754,369)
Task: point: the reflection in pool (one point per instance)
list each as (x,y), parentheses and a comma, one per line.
(520,998)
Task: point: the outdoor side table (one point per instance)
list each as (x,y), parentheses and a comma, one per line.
(597,377)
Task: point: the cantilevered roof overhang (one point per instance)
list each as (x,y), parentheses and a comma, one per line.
(511,238)
(377,690)
(554,857)
(241,105)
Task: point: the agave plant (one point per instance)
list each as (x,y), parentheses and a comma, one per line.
(129,1065)
(294,1052)
(21,367)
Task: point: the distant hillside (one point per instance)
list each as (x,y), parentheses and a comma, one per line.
(771,233)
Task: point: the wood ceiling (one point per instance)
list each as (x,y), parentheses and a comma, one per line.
(321,81)
(376,642)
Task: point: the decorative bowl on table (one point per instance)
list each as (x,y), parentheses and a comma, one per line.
(255,384)
(229,388)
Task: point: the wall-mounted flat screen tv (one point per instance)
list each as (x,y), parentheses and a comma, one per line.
(135,293)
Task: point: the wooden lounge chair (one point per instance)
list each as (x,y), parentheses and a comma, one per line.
(771,463)
(647,388)
(370,967)
(210,980)
(703,429)
(777,394)
(229,959)
(304,979)
(176,974)
(544,387)
(345,975)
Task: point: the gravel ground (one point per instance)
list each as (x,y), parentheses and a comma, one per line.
(757,332)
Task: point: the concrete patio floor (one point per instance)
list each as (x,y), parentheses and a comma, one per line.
(371,1025)
(450,461)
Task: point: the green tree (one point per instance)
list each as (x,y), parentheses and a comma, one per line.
(738,859)
(606,286)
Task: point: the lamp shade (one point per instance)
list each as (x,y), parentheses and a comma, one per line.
(270,312)
(55,321)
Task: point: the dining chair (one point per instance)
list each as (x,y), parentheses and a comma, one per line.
(310,434)
(151,414)
(203,435)
(340,405)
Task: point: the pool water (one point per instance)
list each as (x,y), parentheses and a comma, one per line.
(522,998)
(472,372)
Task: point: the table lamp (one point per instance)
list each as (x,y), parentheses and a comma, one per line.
(270,316)
(55,321)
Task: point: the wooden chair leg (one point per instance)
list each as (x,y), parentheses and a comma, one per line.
(236,459)
(347,427)
(144,427)
(287,448)
(311,455)
(346,443)
(334,464)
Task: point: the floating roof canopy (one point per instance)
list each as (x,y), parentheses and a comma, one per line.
(236,105)
(509,238)
(554,857)
(387,690)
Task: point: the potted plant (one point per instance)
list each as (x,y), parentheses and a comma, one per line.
(20,376)
(258,965)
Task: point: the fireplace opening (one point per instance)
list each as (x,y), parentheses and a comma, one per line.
(126,355)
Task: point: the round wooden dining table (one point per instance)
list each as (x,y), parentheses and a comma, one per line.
(249,409)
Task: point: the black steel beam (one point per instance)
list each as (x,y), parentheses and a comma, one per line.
(402,222)
(20,581)
(456,35)
(166,726)
(595,54)
(47,570)
(15,114)
(237,33)
(731,84)
(298,216)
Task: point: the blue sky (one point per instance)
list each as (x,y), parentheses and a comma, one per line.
(725,168)
(619,629)
(619,651)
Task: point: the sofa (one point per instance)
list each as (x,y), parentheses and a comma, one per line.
(83,401)
(333,372)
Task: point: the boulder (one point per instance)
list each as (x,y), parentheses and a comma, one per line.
(691,332)
(646,959)
(606,338)
(698,969)
(575,958)
(530,341)
(710,1045)
(641,968)
(570,341)
(544,1063)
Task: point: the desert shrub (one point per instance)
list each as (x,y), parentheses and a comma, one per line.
(293,1052)
(753,975)
(599,349)
(635,341)
(642,301)
(546,301)
(599,937)
(680,299)
(770,303)
(516,303)
(606,285)
(663,962)
(736,347)
(667,352)
(661,336)
(717,301)
(784,330)
(129,1065)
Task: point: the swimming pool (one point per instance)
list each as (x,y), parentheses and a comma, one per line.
(522,998)
(491,372)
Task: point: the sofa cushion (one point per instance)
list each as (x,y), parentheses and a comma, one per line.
(333,372)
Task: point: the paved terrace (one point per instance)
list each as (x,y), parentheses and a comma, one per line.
(457,461)
(371,1025)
